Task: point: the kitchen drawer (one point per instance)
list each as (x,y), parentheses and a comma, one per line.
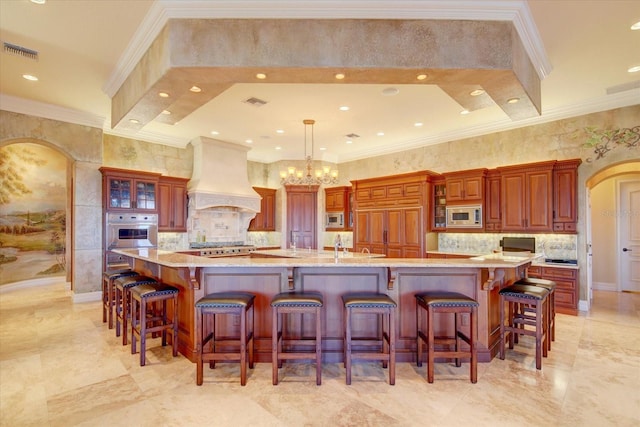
(535,271)
(565,298)
(565,273)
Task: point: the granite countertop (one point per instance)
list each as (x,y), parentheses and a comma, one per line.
(318,259)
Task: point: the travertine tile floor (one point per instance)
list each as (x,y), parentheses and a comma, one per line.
(61,366)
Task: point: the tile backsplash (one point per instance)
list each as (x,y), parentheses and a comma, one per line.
(550,245)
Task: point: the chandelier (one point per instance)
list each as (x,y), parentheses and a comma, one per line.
(293,176)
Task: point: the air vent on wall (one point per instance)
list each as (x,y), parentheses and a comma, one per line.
(256,102)
(14,49)
(352,135)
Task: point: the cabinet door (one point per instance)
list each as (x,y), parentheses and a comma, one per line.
(473,188)
(564,199)
(145,196)
(302,216)
(179,207)
(455,189)
(377,228)
(120,193)
(493,219)
(513,202)
(269,216)
(539,201)
(165,211)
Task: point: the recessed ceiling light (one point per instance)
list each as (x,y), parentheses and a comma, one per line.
(463,112)
(417,124)
(348,141)
(249,141)
(339,76)
(278,148)
(215,132)
(195,89)
(344,108)
(390,91)
(261,76)
(39,1)
(134,121)
(476,92)
(163,94)
(634,69)
(166,112)
(421,77)
(380,133)
(279,131)
(30,77)
(513,100)
(323,148)
(636,26)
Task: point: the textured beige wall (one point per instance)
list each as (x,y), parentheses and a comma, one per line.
(83,146)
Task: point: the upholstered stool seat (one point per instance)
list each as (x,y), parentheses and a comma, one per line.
(286,303)
(224,303)
(550,285)
(370,303)
(150,315)
(123,301)
(517,320)
(108,291)
(434,302)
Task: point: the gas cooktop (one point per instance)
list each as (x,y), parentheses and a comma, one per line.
(561,261)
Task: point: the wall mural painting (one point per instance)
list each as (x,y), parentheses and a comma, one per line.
(33,200)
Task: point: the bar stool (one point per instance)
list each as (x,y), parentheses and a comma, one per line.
(371,303)
(536,298)
(289,303)
(108,291)
(149,318)
(551,315)
(234,303)
(447,302)
(123,300)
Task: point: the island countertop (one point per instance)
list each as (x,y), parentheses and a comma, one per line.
(319,258)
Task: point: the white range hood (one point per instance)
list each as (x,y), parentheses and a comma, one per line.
(221,200)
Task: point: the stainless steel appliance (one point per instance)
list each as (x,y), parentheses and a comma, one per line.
(464,216)
(215,250)
(518,244)
(129,231)
(334,220)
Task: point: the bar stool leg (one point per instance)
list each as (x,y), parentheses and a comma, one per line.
(347,345)
(473,322)
(431,346)
(275,342)
(392,347)
(318,347)
(243,349)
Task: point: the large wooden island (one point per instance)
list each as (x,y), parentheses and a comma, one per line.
(267,273)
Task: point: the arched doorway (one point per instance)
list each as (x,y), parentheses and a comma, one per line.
(35,212)
(605,224)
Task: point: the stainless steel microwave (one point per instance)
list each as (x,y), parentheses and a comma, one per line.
(334,220)
(464,216)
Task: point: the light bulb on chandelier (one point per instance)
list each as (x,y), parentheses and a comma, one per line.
(293,176)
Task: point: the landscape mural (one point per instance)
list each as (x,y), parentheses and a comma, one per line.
(33,200)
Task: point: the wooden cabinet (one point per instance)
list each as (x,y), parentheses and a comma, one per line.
(492,206)
(391,214)
(567,290)
(527,197)
(465,186)
(396,233)
(172,203)
(125,190)
(340,199)
(302,214)
(565,217)
(265,220)
(439,208)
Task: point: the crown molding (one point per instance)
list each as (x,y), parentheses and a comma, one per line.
(50,111)
(161,11)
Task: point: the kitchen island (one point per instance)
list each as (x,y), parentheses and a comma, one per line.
(267,273)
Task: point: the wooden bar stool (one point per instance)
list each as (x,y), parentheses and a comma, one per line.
(371,303)
(551,312)
(457,304)
(108,291)
(150,317)
(123,301)
(518,319)
(234,303)
(289,303)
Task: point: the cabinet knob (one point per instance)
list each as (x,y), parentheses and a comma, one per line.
(626,250)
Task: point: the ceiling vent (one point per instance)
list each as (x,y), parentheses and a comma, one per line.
(256,102)
(14,49)
(352,135)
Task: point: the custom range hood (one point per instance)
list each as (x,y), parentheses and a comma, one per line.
(219,177)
